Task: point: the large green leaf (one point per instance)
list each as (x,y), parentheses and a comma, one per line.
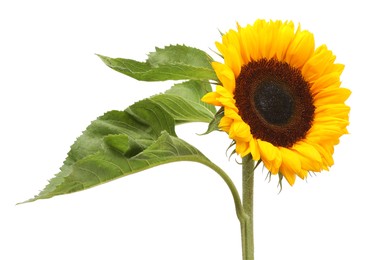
(177,62)
(111,162)
(120,143)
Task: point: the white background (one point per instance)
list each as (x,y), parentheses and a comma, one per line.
(52,85)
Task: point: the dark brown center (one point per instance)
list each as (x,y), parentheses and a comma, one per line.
(275,101)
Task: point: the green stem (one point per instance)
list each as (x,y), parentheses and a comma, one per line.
(246,223)
(234,191)
(244,206)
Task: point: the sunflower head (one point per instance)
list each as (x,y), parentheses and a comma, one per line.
(281,96)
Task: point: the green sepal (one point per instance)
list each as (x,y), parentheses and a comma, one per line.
(280,184)
(213,125)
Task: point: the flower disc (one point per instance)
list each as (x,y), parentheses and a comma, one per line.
(282,99)
(275,101)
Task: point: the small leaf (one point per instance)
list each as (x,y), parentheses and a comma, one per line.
(171,63)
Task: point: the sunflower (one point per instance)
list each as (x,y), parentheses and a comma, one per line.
(281,97)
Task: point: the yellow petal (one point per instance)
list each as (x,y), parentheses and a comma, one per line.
(211,98)
(326,81)
(320,64)
(224,92)
(309,157)
(225,75)
(335,110)
(254,149)
(270,156)
(234,61)
(225,124)
(240,131)
(242,148)
(231,56)
(244,43)
(290,160)
(326,155)
(301,49)
(332,96)
(302,174)
(283,40)
(289,175)
(231,112)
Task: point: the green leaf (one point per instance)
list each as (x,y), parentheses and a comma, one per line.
(109,164)
(180,54)
(193,91)
(177,62)
(137,132)
(183,102)
(120,143)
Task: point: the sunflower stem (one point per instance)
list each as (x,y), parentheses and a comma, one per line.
(246,223)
